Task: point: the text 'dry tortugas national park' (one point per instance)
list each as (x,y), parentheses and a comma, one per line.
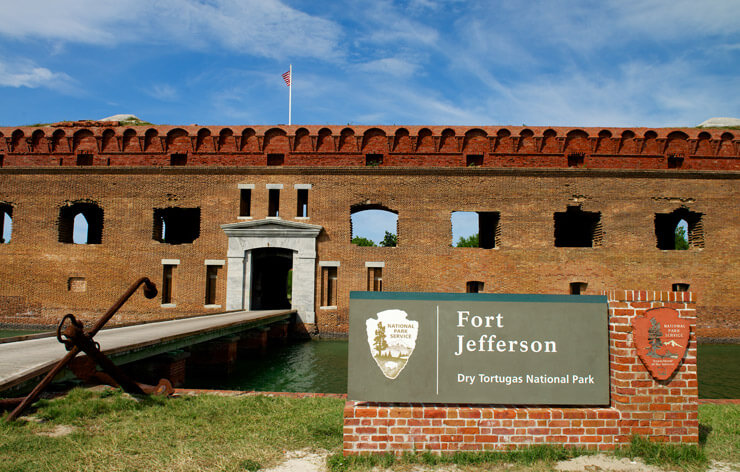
(601,255)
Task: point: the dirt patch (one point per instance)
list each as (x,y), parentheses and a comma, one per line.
(302,461)
(57,431)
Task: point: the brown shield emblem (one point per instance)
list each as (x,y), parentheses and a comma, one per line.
(661,339)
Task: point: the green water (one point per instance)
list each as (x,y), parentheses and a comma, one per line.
(719,370)
(313,366)
(9,333)
(321,366)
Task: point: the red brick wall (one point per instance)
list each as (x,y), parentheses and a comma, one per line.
(664,411)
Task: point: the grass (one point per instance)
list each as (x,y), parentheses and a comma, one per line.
(113,431)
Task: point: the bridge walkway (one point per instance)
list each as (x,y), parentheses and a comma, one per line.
(24,360)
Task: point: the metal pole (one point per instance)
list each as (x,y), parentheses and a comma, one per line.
(290,93)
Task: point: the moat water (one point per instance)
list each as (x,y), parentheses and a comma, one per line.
(321,366)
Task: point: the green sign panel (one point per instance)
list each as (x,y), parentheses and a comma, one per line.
(479,348)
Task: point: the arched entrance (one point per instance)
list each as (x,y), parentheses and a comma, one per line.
(268,249)
(271,274)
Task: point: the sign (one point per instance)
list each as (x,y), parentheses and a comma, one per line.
(661,339)
(478,348)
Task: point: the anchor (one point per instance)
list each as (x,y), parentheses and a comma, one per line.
(76,340)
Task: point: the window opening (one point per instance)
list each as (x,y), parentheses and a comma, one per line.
(577,228)
(273,208)
(275,159)
(6,223)
(375,279)
(475,229)
(302,210)
(373,160)
(578,288)
(679,230)
(576,159)
(211,279)
(328,286)
(176,225)
(675,161)
(81,223)
(77,284)
(167,283)
(2,160)
(474,286)
(245,202)
(373,225)
(178,159)
(474,160)
(680,287)
(84,159)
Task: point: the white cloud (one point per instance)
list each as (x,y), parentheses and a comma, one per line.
(164,92)
(267,28)
(24,73)
(390,66)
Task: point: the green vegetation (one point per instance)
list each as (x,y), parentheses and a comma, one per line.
(364,242)
(681,241)
(113,431)
(531,456)
(389,240)
(686,456)
(470,241)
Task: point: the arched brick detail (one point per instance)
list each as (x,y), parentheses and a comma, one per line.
(178,141)
(576,142)
(627,143)
(475,141)
(605,143)
(84,141)
(402,141)
(347,141)
(151,141)
(550,143)
(448,141)
(650,143)
(725,146)
(375,140)
(249,142)
(130,141)
(18,141)
(526,142)
(276,141)
(302,141)
(325,141)
(38,141)
(677,144)
(226,141)
(425,141)
(109,143)
(704,144)
(204,141)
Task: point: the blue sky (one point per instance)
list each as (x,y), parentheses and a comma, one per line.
(601,63)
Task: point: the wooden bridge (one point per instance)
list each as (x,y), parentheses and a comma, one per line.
(22,361)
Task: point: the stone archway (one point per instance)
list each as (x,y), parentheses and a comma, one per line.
(246,239)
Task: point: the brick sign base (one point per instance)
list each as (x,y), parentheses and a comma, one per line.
(663,410)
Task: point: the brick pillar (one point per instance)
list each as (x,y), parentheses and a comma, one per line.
(662,410)
(217,354)
(254,340)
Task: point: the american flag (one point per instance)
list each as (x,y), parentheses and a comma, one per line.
(286,78)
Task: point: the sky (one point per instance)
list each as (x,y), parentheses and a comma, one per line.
(417,62)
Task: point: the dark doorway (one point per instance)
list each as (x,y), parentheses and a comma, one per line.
(271,269)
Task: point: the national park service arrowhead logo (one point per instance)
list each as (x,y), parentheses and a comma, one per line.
(392,339)
(661,339)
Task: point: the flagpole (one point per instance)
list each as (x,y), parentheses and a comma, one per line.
(290,93)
